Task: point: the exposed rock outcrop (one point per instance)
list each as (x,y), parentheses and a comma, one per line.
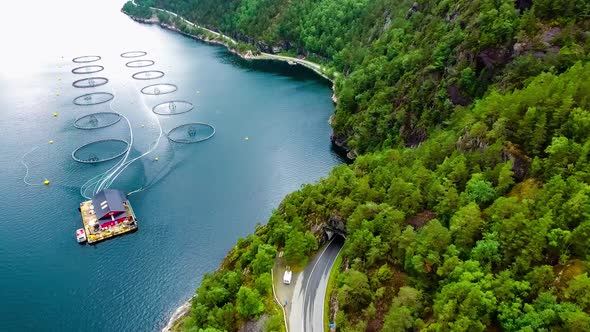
(413,136)
(491,58)
(254,325)
(415,7)
(387,22)
(457,97)
(523,5)
(520,162)
(341,147)
(541,45)
(468,142)
(333,307)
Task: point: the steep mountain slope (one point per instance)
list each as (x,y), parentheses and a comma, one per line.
(468,208)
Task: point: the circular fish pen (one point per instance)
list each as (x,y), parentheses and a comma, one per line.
(159,89)
(86,59)
(97,120)
(194,132)
(90,82)
(94,98)
(139,63)
(101,151)
(133,54)
(91,69)
(148,75)
(173,107)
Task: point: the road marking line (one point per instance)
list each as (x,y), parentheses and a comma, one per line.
(309,279)
(277,300)
(326,294)
(316,263)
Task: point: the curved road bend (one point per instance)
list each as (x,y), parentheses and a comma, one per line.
(307,304)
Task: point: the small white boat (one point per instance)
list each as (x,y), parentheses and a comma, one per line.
(80,235)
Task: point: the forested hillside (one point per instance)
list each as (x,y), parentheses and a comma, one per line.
(408,64)
(468,208)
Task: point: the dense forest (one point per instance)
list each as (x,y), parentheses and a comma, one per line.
(468,206)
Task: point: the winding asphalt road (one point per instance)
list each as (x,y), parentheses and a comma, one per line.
(307,304)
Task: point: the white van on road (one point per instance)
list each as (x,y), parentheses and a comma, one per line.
(287,277)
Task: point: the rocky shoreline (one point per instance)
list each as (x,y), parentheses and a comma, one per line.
(178,315)
(245,55)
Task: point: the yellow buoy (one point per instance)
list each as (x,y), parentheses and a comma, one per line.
(156,159)
(51,142)
(54,114)
(57,94)
(46,182)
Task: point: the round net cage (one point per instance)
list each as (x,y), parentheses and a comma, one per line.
(191,133)
(133,54)
(139,63)
(100,151)
(91,69)
(86,58)
(97,120)
(94,98)
(173,107)
(159,89)
(90,82)
(148,75)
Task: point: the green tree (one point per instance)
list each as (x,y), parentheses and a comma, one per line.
(354,290)
(465,226)
(479,190)
(466,303)
(540,278)
(249,303)
(264,284)
(579,239)
(578,291)
(404,311)
(222,318)
(274,323)
(264,259)
(298,246)
(505,178)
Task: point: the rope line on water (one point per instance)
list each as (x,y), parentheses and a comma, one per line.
(27,168)
(105,180)
(126,164)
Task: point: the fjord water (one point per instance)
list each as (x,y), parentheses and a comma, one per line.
(199,199)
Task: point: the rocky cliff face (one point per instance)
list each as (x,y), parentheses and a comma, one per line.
(341,146)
